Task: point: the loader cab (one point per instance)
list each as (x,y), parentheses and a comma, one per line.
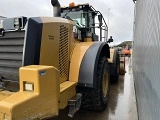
(89,21)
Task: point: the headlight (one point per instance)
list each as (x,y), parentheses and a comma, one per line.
(29,86)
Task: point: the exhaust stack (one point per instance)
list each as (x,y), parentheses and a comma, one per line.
(56,8)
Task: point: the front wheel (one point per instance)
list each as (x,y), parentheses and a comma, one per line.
(97,98)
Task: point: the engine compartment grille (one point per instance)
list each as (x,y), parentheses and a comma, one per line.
(63,53)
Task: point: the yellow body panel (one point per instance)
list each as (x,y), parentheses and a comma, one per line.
(67,91)
(56,50)
(55,44)
(73,43)
(110,60)
(49,52)
(5,94)
(77,56)
(88,39)
(36,103)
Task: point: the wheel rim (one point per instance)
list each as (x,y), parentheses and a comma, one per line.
(105,84)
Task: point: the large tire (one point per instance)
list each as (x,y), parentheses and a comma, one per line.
(122,70)
(115,67)
(97,98)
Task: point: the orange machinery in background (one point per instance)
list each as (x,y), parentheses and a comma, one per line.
(126,51)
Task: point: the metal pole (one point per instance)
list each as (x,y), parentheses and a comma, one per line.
(108,21)
(108,16)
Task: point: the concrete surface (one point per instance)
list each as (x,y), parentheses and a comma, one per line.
(121,105)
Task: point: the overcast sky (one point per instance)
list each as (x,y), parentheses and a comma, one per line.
(120,14)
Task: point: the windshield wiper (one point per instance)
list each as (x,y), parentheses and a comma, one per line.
(66,13)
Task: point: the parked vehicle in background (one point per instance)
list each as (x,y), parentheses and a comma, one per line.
(126,51)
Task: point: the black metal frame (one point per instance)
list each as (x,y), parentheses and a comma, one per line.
(105,27)
(89,9)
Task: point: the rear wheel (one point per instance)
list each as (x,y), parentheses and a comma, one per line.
(122,66)
(97,98)
(115,67)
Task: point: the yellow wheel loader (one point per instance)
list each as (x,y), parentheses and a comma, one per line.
(48,63)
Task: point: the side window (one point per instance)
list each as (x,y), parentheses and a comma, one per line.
(77,32)
(91,20)
(77,16)
(80,22)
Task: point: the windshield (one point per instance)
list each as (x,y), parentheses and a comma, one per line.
(76,16)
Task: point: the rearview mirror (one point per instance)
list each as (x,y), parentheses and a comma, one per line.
(110,39)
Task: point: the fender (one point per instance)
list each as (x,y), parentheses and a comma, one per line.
(89,64)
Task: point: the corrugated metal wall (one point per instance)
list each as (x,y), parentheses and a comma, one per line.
(146,58)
